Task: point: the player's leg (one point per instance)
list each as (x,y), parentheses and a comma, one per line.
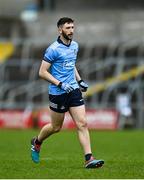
(79,116)
(57,110)
(53,127)
(46,131)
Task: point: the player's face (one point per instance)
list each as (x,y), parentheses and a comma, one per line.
(67,31)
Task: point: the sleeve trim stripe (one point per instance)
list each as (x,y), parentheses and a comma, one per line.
(47,60)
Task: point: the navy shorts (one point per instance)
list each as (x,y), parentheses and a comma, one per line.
(62,103)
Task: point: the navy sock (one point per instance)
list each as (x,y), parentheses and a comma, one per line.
(88,156)
(38,142)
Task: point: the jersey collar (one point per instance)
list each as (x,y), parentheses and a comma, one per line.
(60,41)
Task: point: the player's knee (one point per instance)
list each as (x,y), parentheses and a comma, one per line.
(82,124)
(56,129)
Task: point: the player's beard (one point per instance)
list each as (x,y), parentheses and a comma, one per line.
(67,37)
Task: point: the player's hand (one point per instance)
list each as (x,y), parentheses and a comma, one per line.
(65,86)
(83,86)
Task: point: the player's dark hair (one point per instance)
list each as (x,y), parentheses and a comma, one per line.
(64,20)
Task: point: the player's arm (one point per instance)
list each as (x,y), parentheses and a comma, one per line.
(78,78)
(44,74)
(82,84)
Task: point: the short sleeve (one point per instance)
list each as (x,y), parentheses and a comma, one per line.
(77,47)
(49,55)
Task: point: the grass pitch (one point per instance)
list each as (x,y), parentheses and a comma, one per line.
(62,156)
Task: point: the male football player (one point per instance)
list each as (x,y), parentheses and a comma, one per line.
(65,91)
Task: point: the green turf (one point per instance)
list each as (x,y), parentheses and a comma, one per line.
(62,157)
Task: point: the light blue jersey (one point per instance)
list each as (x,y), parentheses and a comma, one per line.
(62,58)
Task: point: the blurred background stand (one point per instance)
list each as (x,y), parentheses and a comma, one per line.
(123,105)
(111,53)
(47,5)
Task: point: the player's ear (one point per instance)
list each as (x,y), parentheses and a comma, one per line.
(60,30)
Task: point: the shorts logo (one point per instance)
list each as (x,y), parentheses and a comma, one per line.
(53,105)
(62,107)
